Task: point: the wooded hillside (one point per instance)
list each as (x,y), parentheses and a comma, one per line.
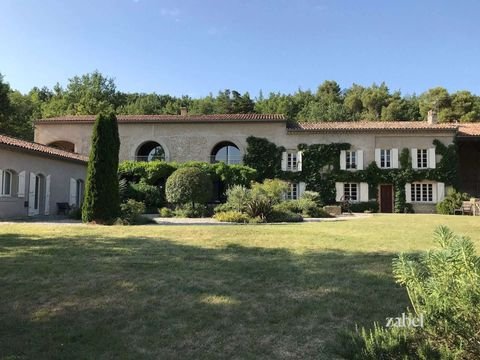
(92,93)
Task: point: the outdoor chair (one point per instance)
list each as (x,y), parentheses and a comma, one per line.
(465,209)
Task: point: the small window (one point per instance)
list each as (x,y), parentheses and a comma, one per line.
(350,159)
(292,192)
(422,158)
(292,161)
(6,183)
(350,191)
(421,192)
(385,158)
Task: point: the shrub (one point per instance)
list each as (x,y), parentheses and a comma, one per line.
(188,211)
(452,201)
(257,220)
(189,185)
(232,216)
(444,288)
(277,215)
(150,195)
(131,212)
(102,200)
(274,189)
(305,207)
(166,212)
(361,207)
(238,197)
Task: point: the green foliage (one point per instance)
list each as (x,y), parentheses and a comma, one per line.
(277,216)
(361,207)
(237,198)
(102,200)
(380,343)
(444,289)
(444,286)
(131,212)
(303,206)
(263,196)
(189,211)
(321,169)
(232,216)
(264,156)
(452,201)
(150,195)
(166,212)
(189,185)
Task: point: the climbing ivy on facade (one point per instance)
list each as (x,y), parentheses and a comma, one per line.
(321,169)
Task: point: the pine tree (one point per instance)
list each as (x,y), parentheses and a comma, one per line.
(102,201)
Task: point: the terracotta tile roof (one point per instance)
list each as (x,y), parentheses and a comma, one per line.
(472,129)
(41,149)
(169,118)
(370,126)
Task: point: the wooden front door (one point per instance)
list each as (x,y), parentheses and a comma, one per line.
(386,198)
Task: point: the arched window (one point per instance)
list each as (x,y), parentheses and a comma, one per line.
(6,183)
(226,152)
(150,151)
(63,145)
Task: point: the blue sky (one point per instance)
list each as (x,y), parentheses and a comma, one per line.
(195,47)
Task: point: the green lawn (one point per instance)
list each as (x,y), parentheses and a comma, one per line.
(201,292)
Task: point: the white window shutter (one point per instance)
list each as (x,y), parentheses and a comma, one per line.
(432,161)
(377,157)
(408,193)
(73,192)
(363,191)
(47,195)
(339,191)
(440,191)
(414,159)
(360,159)
(343,160)
(434,193)
(394,158)
(21,184)
(301,189)
(31,195)
(1,181)
(284,161)
(299,160)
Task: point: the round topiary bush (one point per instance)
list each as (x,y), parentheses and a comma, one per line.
(188,185)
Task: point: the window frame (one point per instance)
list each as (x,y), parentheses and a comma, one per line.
(386,159)
(422,192)
(3,183)
(292,161)
(349,156)
(293,189)
(422,159)
(348,191)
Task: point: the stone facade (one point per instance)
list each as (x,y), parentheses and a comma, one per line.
(186,138)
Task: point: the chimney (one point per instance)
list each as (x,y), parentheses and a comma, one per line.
(432,117)
(183,111)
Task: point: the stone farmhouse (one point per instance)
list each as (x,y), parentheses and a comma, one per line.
(62,144)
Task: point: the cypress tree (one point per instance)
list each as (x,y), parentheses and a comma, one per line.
(102,201)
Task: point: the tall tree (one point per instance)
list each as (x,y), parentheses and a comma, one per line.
(91,94)
(102,200)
